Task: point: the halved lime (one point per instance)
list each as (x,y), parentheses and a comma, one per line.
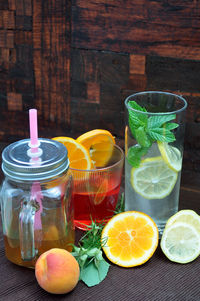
(153,179)
(187,216)
(180,242)
(171,155)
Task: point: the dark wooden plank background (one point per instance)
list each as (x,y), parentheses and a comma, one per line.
(76,61)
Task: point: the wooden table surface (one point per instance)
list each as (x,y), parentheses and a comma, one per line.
(158,279)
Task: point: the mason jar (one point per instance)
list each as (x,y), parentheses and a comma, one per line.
(36,200)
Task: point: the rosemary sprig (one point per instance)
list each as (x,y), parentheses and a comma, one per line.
(88,253)
(120,205)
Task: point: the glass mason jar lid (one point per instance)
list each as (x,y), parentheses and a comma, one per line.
(18,164)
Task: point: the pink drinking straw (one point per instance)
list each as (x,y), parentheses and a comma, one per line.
(33,130)
(36,193)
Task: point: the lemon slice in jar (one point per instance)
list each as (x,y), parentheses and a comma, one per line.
(171,155)
(153,179)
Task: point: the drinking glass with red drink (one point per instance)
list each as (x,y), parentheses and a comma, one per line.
(96,191)
(96,163)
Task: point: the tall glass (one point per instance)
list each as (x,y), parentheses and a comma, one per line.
(154,135)
(95,192)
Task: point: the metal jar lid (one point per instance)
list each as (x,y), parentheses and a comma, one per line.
(17,164)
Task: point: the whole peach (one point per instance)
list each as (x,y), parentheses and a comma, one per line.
(57,271)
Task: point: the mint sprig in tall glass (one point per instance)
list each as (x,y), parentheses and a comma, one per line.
(154,136)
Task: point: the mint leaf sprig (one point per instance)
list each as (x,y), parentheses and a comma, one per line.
(147,130)
(93,267)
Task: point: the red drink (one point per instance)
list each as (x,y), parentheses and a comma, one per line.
(95,192)
(99,206)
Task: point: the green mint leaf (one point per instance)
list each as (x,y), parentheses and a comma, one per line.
(133,104)
(161,134)
(132,125)
(91,275)
(92,252)
(158,120)
(147,130)
(142,138)
(135,154)
(170,126)
(159,128)
(136,119)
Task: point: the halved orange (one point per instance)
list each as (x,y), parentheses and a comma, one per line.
(130,238)
(99,143)
(78,155)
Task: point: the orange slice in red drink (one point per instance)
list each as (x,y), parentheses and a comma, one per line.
(101,192)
